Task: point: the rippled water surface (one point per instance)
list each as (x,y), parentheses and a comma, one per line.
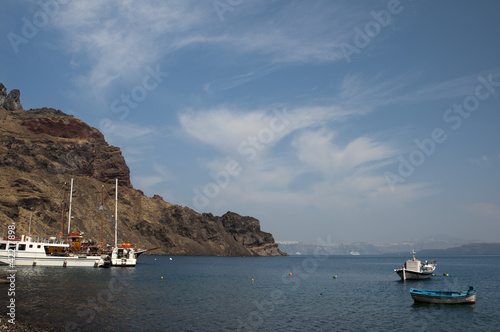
(218,294)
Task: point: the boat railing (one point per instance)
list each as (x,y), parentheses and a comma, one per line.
(51,240)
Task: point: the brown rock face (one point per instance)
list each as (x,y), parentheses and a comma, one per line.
(50,140)
(3,94)
(42,149)
(11,101)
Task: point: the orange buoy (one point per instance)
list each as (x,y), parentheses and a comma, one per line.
(290,274)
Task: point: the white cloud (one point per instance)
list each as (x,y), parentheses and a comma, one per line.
(318,150)
(225,129)
(222,128)
(120,39)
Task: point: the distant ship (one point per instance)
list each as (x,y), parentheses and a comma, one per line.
(354,253)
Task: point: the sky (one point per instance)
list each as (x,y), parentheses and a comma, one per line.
(372,121)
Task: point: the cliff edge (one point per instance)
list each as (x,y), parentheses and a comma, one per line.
(41,149)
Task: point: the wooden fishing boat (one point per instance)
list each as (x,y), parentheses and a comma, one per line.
(443,296)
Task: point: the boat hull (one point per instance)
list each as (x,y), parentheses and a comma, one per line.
(123,262)
(53,261)
(443,297)
(411,275)
(123,257)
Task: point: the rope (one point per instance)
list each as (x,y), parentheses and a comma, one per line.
(111,219)
(387,278)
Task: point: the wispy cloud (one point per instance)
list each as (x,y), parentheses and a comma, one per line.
(315,168)
(119,39)
(372,92)
(110,40)
(319,151)
(225,128)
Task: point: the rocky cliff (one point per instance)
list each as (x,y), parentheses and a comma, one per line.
(42,149)
(10,101)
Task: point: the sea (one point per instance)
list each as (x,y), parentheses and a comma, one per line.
(294,293)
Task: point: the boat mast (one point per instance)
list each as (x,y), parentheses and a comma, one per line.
(70,201)
(64,207)
(102,216)
(116,214)
(31,216)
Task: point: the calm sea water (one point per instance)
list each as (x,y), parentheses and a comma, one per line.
(218,294)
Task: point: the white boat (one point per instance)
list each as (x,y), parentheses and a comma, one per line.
(65,250)
(125,254)
(354,253)
(414,269)
(52,251)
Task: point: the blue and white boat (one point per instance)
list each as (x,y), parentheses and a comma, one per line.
(443,296)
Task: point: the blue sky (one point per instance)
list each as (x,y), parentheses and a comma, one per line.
(367,121)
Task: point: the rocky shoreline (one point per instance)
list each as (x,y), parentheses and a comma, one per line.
(22,326)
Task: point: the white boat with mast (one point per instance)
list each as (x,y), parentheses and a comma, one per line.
(414,269)
(65,251)
(125,254)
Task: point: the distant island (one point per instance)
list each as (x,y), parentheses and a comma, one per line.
(442,247)
(467,249)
